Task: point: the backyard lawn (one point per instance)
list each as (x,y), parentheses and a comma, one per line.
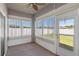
(64,39)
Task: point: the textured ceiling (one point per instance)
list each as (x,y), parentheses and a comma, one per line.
(22,7)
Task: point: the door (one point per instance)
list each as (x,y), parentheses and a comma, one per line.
(2,34)
(66,33)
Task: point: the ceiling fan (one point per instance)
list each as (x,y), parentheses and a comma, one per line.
(35,6)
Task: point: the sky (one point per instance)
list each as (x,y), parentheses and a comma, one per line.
(66,22)
(27,23)
(18,23)
(47,22)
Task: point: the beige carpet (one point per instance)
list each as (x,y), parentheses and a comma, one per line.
(30,49)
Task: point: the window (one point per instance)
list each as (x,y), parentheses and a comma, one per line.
(45,28)
(66,33)
(19,28)
(12,28)
(48,28)
(26,28)
(38,28)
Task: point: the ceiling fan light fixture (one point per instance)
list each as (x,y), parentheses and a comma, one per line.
(35,7)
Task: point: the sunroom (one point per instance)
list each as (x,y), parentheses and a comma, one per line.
(39,29)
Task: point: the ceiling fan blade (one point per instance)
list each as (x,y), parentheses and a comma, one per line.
(35,7)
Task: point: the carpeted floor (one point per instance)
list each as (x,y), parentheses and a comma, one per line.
(30,49)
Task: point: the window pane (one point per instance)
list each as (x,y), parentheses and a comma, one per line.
(14,28)
(18,28)
(38,28)
(26,28)
(66,31)
(48,28)
(12,25)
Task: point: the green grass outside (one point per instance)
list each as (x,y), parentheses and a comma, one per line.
(64,39)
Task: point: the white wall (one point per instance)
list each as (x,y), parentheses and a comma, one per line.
(51,46)
(3,10)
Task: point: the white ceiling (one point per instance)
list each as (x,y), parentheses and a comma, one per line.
(21,7)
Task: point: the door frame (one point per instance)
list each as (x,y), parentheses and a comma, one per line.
(2,41)
(70,14)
